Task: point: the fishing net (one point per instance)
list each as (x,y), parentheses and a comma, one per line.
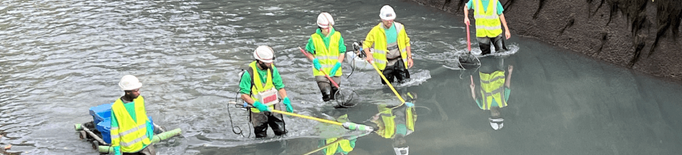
(346,98)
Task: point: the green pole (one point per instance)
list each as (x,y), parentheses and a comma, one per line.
(155,139)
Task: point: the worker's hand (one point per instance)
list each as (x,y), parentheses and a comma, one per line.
(466,20)
(510,68)
(410,62)
(316,64)
(409,104)
(369,58)
(287,103)
(336,68)
(260,106)
(507,34)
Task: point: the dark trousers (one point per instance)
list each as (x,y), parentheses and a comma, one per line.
(327,89)
(262,120)
(484,44)
(396,71)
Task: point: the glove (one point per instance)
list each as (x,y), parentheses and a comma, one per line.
(260,106)
(316,64)
(336,67)
(409,104)
(288,104)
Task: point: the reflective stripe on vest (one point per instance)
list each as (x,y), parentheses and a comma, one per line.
(257,86)
(410,118)
(344,144)
(132,133)
(492,88)
(487,22)
(328,56)
(380,44)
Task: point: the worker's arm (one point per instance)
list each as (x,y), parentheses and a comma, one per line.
(245,88)
(369,41)
(115,139)
(466,14)
(507,34)
(507,82)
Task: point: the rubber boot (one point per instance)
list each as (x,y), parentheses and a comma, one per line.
(332,93)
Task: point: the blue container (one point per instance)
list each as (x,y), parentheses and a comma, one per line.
(101,112)
(104,128)
(101,115)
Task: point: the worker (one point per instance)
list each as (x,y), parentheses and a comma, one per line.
(388,46)
(489,17)
(261,87)
(327,52)
(131,130)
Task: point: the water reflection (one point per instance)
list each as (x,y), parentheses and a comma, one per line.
(394,123)
(495,88)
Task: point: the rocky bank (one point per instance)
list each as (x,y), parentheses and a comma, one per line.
(643,35)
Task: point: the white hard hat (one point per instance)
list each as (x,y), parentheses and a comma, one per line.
(264,53)
(324,20)
(387,13)
(129,82)
(402,150)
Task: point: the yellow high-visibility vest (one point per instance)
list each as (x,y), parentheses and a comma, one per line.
(344,144)
(328,56)
(131,135)
(376,38)
(487,22)
(257,86)
(492,88)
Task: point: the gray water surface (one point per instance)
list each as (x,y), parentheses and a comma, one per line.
(58,58)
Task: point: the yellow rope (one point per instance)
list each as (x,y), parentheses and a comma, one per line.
(307,117)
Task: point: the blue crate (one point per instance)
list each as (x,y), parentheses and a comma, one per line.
(101,112)
(104,128)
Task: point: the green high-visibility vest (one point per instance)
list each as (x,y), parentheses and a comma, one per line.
(376,38)
(257,86)
(328,56)
(487,22)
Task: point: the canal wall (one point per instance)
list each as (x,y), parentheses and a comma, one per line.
(642,35)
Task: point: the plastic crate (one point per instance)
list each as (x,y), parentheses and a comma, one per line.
(101,112)
(104,128)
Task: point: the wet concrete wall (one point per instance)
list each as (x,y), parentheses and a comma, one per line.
(643,35)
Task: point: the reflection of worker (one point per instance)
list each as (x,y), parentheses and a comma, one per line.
(489,17)
(327,52)
(338,145)
(131,130)
(391,47)
(261,86)
(395,123)
(495,89)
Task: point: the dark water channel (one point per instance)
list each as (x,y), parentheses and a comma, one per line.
(58,58)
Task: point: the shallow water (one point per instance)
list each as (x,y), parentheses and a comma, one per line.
(61,57)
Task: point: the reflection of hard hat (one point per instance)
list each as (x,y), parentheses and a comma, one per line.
(402,150)
(496,123)
(129,82)
(324,20)
(264,53)
(387,13)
